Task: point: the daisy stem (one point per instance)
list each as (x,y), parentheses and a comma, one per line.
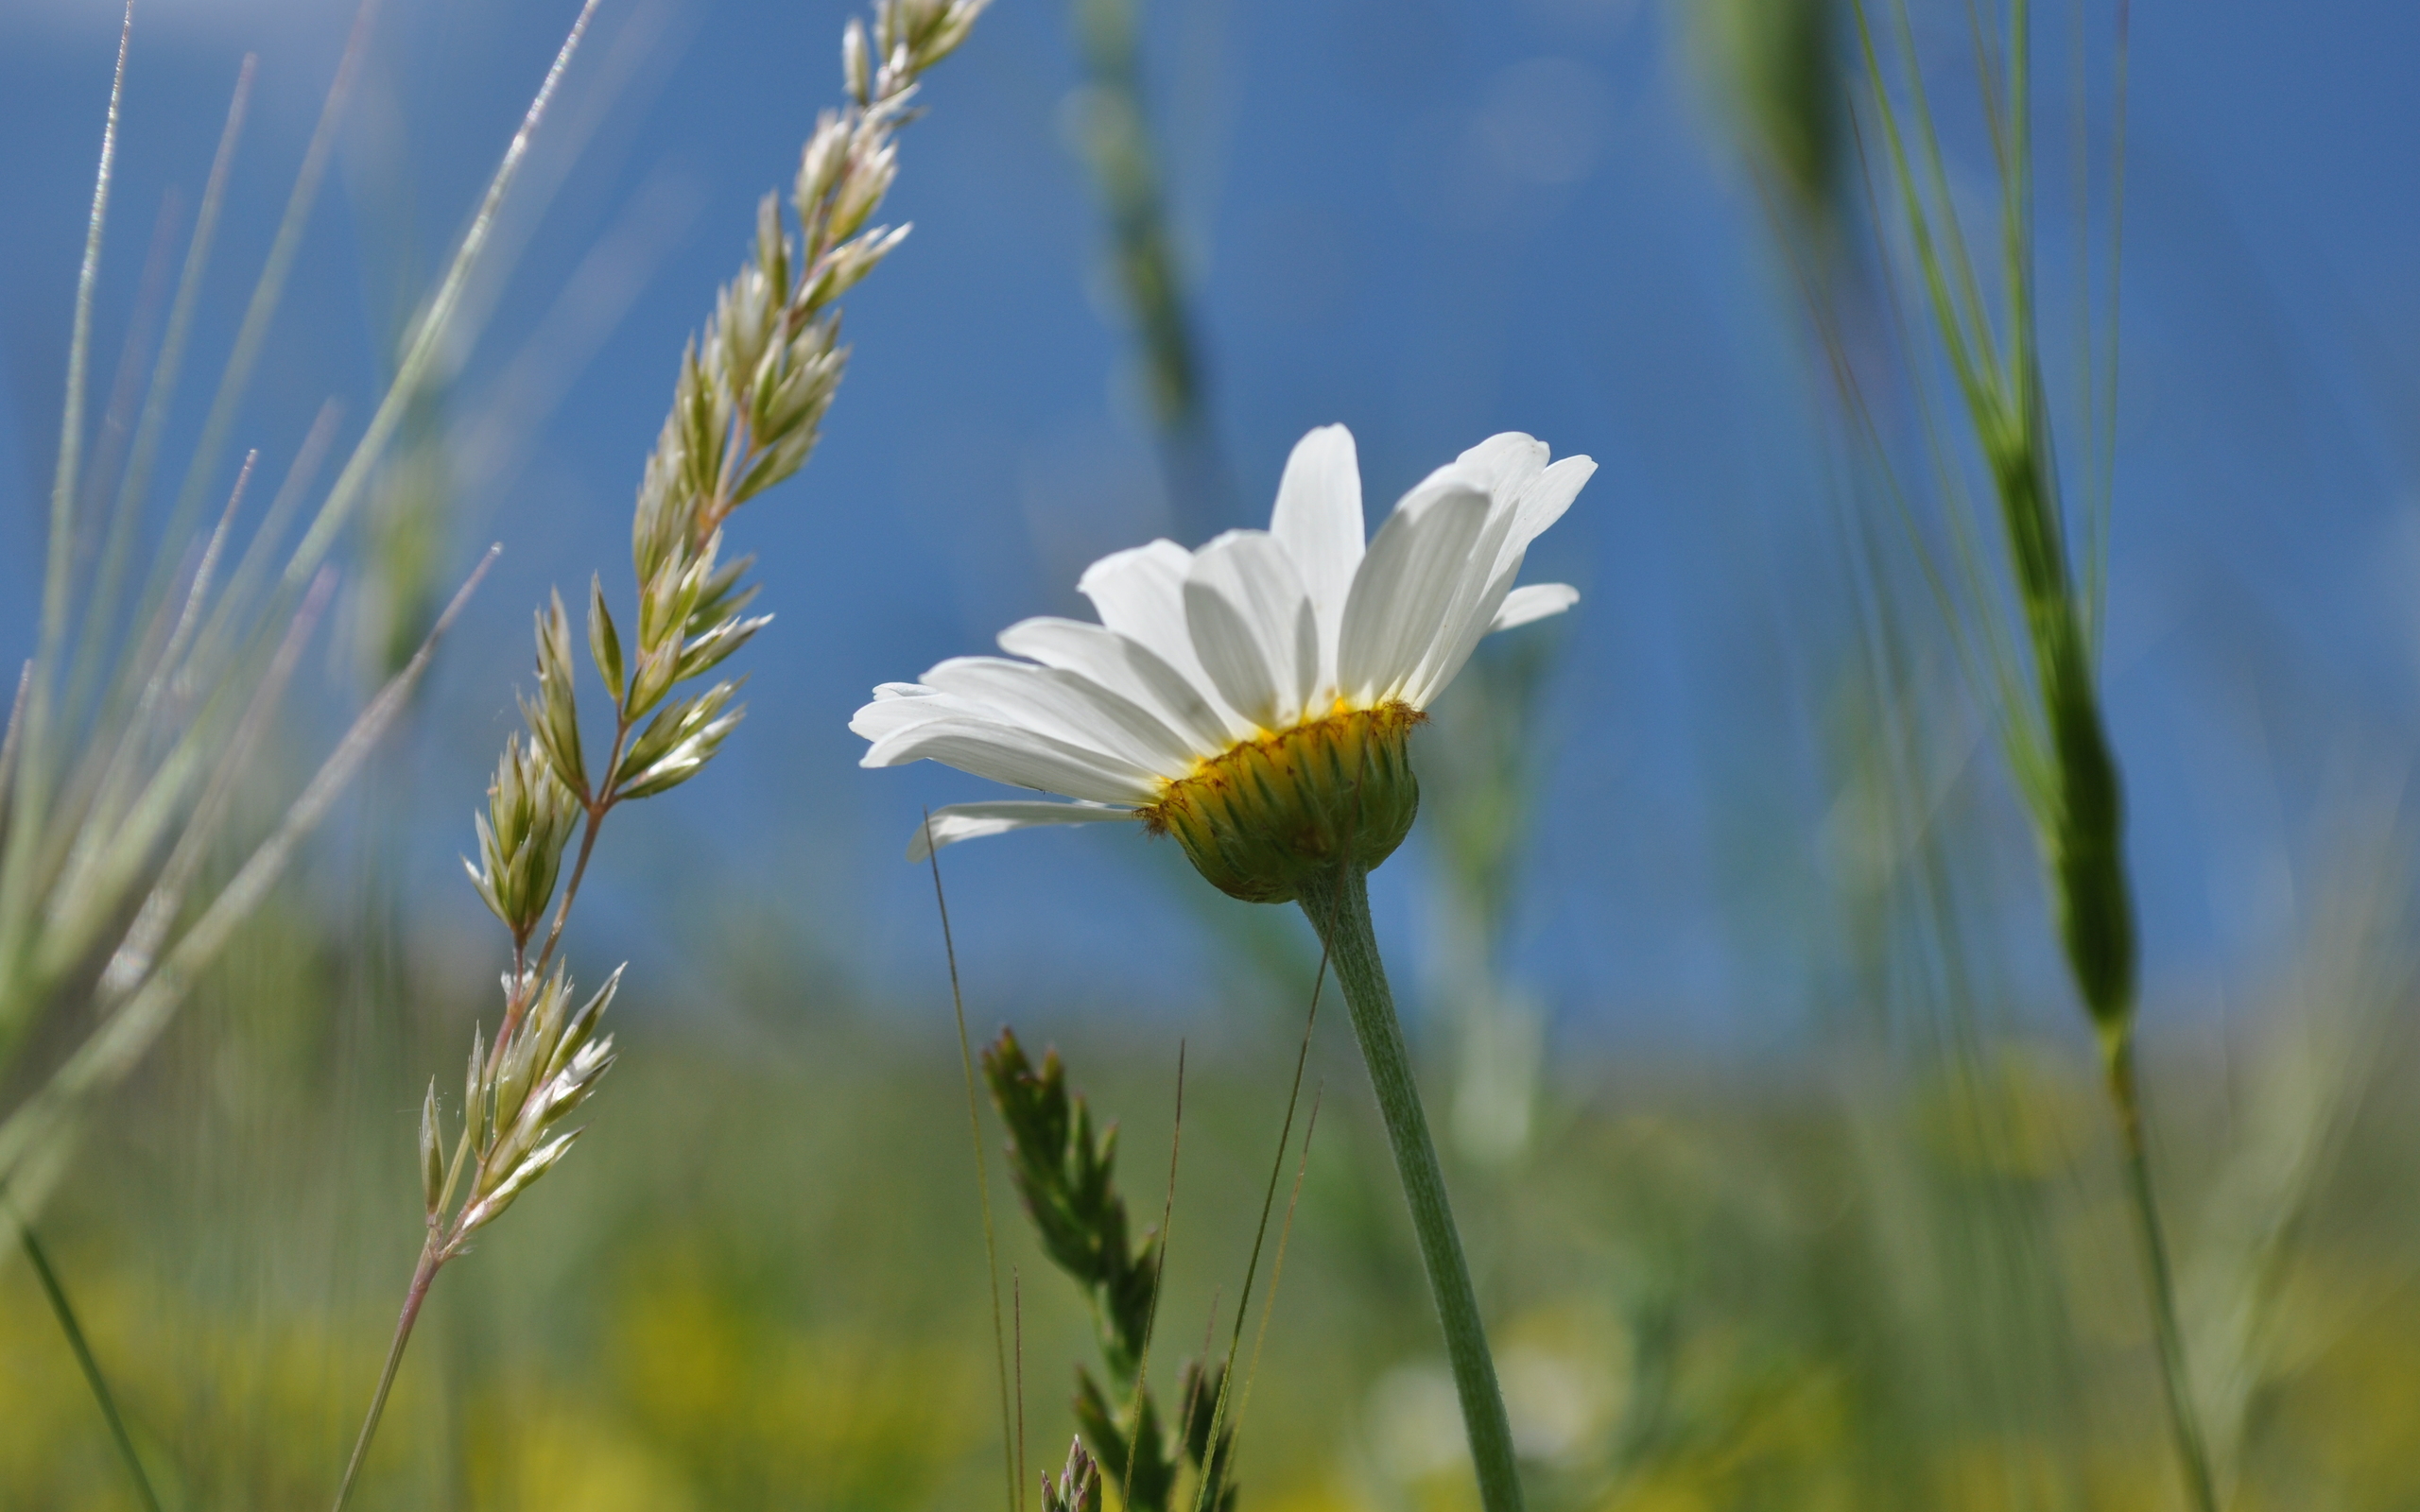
(1339,910)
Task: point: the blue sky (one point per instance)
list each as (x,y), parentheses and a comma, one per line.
(1429,220)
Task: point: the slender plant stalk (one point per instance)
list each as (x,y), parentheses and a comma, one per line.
(1117,143)
(1159,1273)
(1206,1496)
(982,1185)
(2125,1098)
(134,483)
(746,407)
(269,292)
(57,1296)
(71,420)
(1016,1305)
(423,1274)
(1277,1269)
(1341,912)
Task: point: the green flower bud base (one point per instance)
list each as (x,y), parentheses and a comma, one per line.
(1273,817)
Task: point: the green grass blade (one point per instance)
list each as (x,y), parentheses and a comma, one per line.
(114,1048)
(982,1179)
(57,1296)
(142,457)
(421,350)
(56,575)
(1118,147)
(114,839)
(269,291)
(2101,471)
(236,612)
(1206,1495)
(27,804)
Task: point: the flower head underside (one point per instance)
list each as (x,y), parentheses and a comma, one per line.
(1255,697)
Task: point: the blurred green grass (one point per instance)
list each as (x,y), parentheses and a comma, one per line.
(1887,1269)
(1843,1280)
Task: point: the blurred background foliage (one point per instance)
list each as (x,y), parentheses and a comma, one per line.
(1776,1142)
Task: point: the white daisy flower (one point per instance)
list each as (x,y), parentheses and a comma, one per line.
(1255,697)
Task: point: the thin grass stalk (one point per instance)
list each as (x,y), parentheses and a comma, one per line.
(121,1039)
(1016,1306)
(102,1396)
(2125,1097)
(2104,468)
(982,1177)
(1277,1267)
(269,291)
(166,368)
(424,1272)
(100,861)
(429,336)
(71,420)
(105,460)
(27,805)
(1119,148)
(1339,910)
(1997,668)
(15,726)
(227,621)
(2062,750)
(1207,1494)
(1159,1273)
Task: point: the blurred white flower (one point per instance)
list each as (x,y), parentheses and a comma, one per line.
(1255,693)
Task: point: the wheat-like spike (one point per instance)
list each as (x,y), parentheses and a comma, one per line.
(748,397)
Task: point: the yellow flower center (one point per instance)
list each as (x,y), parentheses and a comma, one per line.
(1266,815)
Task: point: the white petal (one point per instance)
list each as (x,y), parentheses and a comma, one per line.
(1506,461)
(972,821)
(1468,609)
(1319,519)
(1022,758)
(1535,602)
(897,705)
(1123,666)
(1515,523)
(1253,627)
(1140,595)
(1406,584)
(1067,705)
(1541,503)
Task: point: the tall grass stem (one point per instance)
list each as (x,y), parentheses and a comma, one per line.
(1207,1498)
(2126,1101)
(1339,910)
(422,1273)
(1159,1275)
(269,291)
(1277,1267)
(71,422)
(57,1296)
(982,1177)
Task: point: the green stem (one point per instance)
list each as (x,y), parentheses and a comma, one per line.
(424,1273)
(1339,910)
(2125,1098)
(92,1368)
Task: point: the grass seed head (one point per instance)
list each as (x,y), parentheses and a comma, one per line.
(529,817)
(1079,1488)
